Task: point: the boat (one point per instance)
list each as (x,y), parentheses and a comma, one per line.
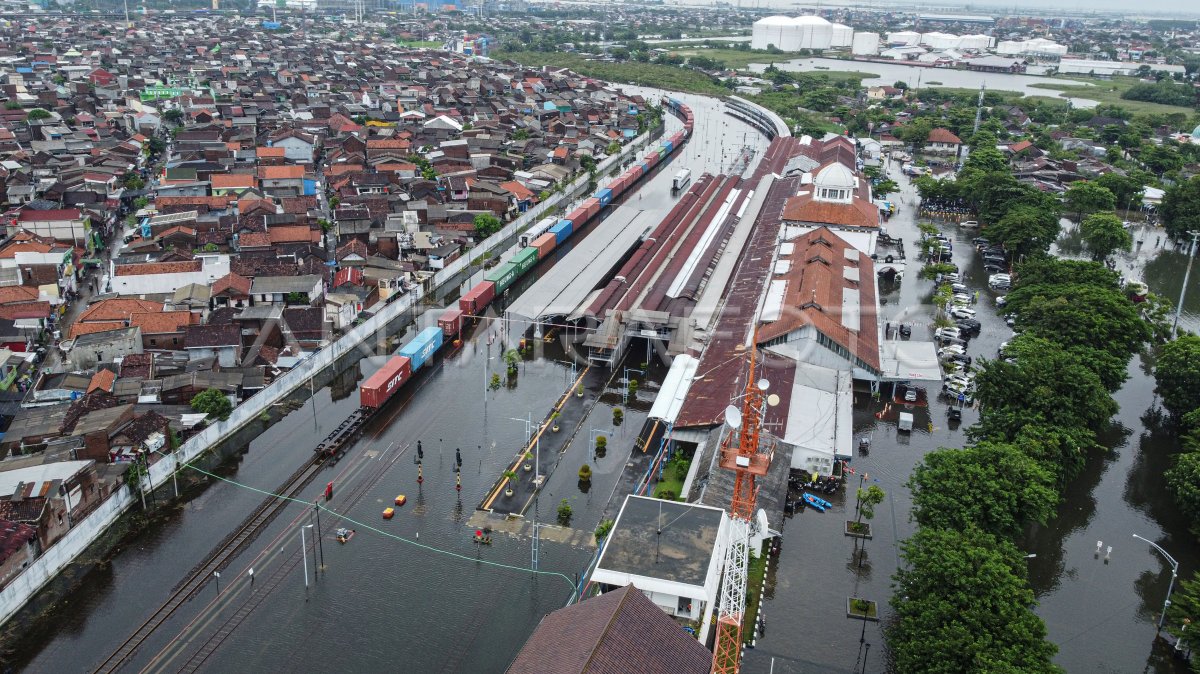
(401,500)
(388,513)
(344,535)
(816,502)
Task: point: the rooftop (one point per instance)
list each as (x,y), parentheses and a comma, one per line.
(665,540)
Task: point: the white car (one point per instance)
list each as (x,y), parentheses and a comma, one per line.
(952,277)
(1001,300)
(960,297)
(959,288)
(910,396)
(968,224)
(962,312)
(952,350)
(947,333)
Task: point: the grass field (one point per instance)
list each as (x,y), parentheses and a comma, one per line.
(1108,92)
(645,74)
(420,44)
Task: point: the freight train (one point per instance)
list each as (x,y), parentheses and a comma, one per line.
(542,239)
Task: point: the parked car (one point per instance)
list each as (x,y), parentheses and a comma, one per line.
(952,350)
(979,241)
(968,224)
(969,325)
(1001,300)
(959,288)
(944,333)
(910,395)
(962,312)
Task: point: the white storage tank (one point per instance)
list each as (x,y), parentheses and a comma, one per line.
(773,30)
(865,44)
(975,42)
(1010,47)
(937,40)
(813,32)
(904,38)
(843,35)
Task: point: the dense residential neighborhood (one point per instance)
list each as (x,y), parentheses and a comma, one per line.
(562,338)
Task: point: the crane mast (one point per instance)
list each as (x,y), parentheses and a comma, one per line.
(740,452)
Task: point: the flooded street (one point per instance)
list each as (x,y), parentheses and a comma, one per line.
(1101,613)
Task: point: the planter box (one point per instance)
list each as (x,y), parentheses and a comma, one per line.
(864,533)
(871,614)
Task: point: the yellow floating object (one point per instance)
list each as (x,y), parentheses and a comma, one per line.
(388,512)
(401,500)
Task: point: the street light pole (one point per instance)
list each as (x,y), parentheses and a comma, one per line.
(1170,586)
(1186,275)
(304,553)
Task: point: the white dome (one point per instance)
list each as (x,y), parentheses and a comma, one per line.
(774,21)
(810,20)
(835,176)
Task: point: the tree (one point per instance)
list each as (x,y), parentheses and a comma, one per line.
(1025,229)
(486,225)
(993,486)
(1047,270)
(37,114)
(1048,386)
(885,187)
(1088,197)
(1104,234)
(916,132)
(1180,208)
(984,155)
(1177,374)
(1183,481)
(173,116)
(1161,159)
(867,500)
(1184,612)
(213,403)
(962,606)
(1076,314)
(520,134)
(564,513)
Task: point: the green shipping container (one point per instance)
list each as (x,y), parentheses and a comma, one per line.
(503,276)
(525,259)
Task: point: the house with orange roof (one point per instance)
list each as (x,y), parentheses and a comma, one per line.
(232,183)
(118,309)
(163,329)
(282,181)
(231,290)
(521,195)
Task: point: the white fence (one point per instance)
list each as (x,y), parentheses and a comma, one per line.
(22,587)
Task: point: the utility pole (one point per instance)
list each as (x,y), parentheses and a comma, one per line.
(1186,275)
(979,109)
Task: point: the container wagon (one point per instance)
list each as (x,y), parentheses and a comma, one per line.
(503,276)
(476,299)
(451,322)
(524,260)
(379,387)
(422,347)
(537,230)
(605,196)
(545,244)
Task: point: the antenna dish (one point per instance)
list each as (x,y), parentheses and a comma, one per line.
(733,416)
(772,400)
(763,384)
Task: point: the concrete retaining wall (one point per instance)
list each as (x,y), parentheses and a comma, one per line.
(22,587)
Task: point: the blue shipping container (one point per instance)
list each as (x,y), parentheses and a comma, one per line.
(605,196)
(645,167)
(422,347)
(561,231)
(668,146)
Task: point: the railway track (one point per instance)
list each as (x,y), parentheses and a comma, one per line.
(216,560)
(283,570)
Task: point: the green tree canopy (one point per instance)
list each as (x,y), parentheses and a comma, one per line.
(1025,229)
(1177,373)
(1125,189)
(963,607)
(1047,386)
(1046,270)
(1180,208)
(213,403)
(993,486)
(486,225)
(916,132)
(984,155)
(1104,234)
(1076,314)
(37,114)
(1185,605)
(1183,480)
(1085,197)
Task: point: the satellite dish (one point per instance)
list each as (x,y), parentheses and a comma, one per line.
(763,384)
(772,400)
(733,416)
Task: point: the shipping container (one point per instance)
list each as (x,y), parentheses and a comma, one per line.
(605,196)
(503,276)
(637,171)
(422,347)
(646,166)
(653,158)
(525,259)
(561,231)
(578,217)
(617,186)
(592,206)
(667,147)
(477,298)
(379,387)
(545,244)
(451,322)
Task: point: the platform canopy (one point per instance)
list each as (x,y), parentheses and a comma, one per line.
(909,361)
(674,388)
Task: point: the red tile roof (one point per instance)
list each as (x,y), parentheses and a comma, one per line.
(78,328)
(224,181)
(940,135)
(159,268)
(163,321)
(30,215)
(804,208)
(817,281)
(294,234)
(17,294)
(102,380)
(280,172)
(118,309)
(232,285)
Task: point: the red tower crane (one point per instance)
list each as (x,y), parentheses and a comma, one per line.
(743,453)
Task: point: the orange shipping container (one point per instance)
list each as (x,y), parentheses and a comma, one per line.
(544,244)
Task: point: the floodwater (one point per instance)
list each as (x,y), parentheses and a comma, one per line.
(1101,612)
(411,594)
(918,77)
